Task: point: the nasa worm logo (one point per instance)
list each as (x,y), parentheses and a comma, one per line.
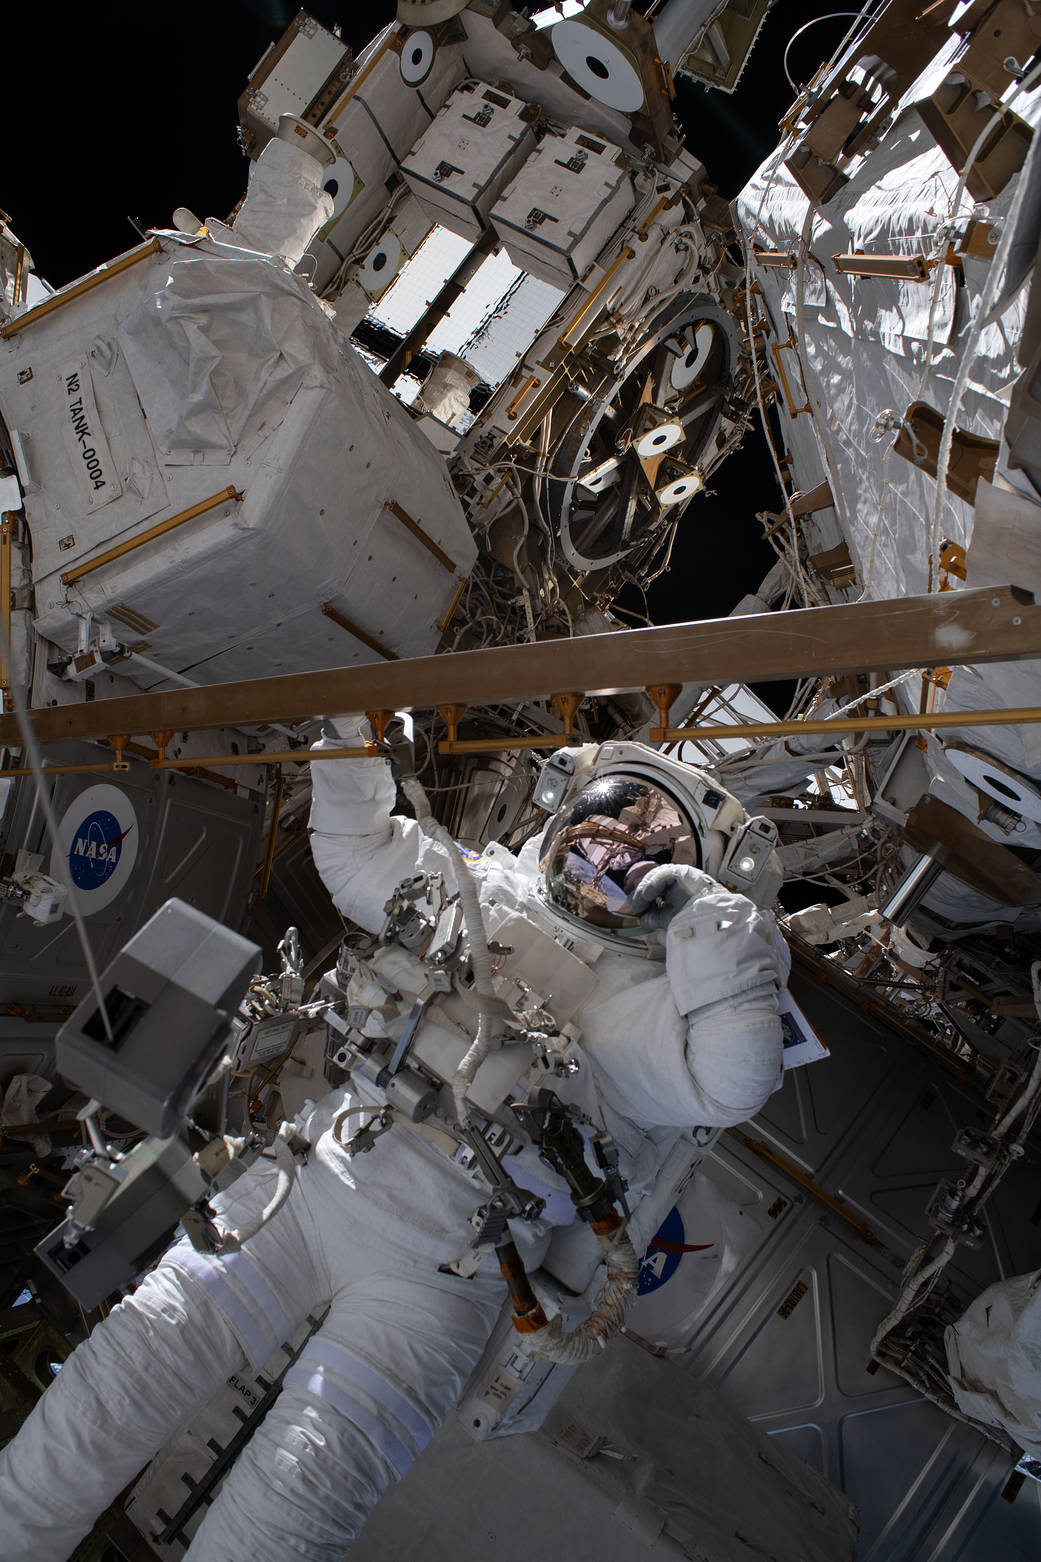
(95,850)
(96,846)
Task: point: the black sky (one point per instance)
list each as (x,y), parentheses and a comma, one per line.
(120,110)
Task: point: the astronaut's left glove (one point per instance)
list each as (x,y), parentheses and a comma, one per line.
(664,891)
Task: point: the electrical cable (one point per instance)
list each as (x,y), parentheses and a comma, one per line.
(832,16)
(285,1161)
(489,1023)
(616,1298)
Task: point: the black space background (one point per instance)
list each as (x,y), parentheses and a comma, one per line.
(122,110)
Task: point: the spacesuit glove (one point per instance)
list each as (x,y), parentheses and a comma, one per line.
(672,884)
(350,728)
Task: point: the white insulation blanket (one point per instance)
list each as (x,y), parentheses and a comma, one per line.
(221,344)
(866,347)
(994,1359)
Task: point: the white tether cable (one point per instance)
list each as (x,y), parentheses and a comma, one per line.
(286,1164)
(489,1025)
(32,749)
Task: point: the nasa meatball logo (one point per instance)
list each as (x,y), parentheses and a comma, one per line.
(664,1252)
(95,850)
(97,840)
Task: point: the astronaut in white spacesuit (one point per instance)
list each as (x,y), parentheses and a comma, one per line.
(672,1022)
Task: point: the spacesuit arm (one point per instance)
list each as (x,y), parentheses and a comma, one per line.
(700,1045)
(726,963)
(360,849)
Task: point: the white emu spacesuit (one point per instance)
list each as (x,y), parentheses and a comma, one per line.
(669,1029)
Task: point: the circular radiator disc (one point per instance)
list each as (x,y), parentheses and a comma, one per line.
(657,440)
(691,359)
(1003,785)
(339,182)
(598,66)
(381,264)
(682,488)
(418,53)
(597,484)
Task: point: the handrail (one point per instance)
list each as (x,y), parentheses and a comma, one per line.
(77,289)
(130,543)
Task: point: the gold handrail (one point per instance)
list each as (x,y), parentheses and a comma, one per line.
(453,605)
(777,348)
(358,633)
(420,535)
(128,546)
(389,42)
(77,289)
(620,260)
(191,762)
(926,720)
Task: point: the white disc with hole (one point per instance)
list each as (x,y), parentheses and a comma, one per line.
(381,265)
(339,182)
(597,485)
(679,489)
(418,53)
(1005,786)
(657,440)
(695,347)
(596,478)
(598,66)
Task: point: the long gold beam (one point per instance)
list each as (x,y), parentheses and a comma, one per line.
(716,732)
(992,624)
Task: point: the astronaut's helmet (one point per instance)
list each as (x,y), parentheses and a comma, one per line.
(633,808)
(605,839)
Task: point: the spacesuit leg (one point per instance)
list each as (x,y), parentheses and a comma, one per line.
(120,1396)
(157,1358)
(364,1398)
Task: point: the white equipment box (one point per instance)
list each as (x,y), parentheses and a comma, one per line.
(209,471)
(301,74)
(469,154)
(563,206)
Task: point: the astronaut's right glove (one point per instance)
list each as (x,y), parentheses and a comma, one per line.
(351,728)
(664,891)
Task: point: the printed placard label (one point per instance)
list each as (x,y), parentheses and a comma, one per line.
(92,465)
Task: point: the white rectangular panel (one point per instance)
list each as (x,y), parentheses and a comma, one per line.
(471,151)
(563,206)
